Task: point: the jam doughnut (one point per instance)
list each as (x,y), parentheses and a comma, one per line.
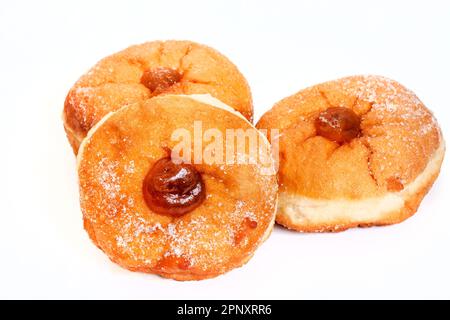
(147,70)
(154,213)
(354,152)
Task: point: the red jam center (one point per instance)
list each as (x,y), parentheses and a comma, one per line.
(173,189)
(338,124)
(160,79)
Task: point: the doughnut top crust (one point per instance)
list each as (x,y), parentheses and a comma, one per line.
(146,70)
(397,137)
(218,235)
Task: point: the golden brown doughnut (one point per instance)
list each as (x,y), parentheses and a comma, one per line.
(131,201)
(153,68)
(358,151)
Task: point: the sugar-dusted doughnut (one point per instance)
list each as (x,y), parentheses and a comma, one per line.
(358,151)
(153,68)
(186,220)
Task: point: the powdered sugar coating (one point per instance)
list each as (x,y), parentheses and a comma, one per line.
(115,81)
(114,162)
(399,135)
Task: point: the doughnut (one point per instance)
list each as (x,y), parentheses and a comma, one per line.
(355,152)
(147,70)
(179,218)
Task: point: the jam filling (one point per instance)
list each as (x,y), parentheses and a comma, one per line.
(173,189)
(160,79)
(338,124)
(246,226)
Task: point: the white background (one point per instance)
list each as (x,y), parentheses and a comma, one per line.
(281,47)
